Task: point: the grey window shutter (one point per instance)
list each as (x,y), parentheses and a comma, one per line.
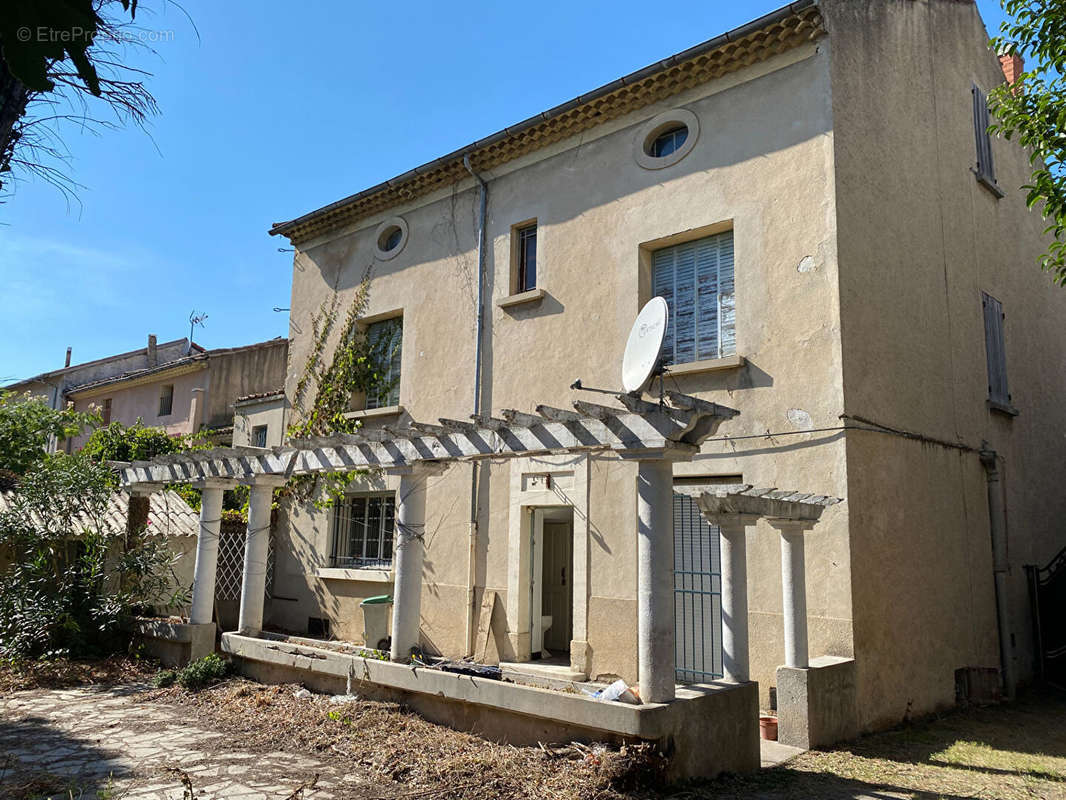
(696,280)
(995,350)
(985,167)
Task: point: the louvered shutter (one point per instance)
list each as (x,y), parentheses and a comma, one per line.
(696,280)
(995,350)
(985,167)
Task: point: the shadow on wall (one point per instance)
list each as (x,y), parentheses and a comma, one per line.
(39,760)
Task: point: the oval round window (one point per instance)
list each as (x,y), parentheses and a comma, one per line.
(666,138)
(391,238)
(667,142)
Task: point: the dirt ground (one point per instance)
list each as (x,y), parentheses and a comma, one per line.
(242,740)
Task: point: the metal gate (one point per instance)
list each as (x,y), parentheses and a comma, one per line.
(697,595)
(1047,590)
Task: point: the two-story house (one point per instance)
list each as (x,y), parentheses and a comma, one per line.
(847,260)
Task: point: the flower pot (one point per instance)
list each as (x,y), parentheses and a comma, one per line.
(768,728)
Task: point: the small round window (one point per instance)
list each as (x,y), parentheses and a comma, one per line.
(667,142)
(666,138)
(391,237)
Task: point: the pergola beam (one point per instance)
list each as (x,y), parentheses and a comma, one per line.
(641,431)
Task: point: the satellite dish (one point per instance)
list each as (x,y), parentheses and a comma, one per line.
(644,345)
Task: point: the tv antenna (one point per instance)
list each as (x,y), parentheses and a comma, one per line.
(642,360)
(195,320)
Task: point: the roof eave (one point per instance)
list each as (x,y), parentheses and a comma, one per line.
(291,228)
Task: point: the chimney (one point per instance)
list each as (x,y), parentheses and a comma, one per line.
(1013,65)
(66,363)
(153,356)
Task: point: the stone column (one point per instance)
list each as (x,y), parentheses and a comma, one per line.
(206,569)
(655,585)
(256,547)
(794,591)
(408,554)
(734,552)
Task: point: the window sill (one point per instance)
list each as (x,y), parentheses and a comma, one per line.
(710,365)
(366,575)
(989,183)
(1002,408)
(532,296)
(371,413)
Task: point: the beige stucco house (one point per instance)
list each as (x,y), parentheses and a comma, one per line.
(848,262)
(197,391)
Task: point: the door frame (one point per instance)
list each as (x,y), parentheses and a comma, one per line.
(547,481)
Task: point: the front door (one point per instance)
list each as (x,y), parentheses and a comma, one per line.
(557,585)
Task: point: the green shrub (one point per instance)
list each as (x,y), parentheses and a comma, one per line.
(208,670)
(165,679)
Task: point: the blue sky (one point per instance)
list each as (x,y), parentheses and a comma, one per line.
(269,110)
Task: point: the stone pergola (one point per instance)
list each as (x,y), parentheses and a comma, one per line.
(734,509)
(652,434)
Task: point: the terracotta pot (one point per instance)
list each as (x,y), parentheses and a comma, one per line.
(768,728)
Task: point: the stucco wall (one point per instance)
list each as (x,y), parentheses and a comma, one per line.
(141,401)
(763,166)
(242,371)
(919,239)
(248,415)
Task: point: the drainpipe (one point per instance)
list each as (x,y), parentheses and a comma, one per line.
(471,562)
(1000,565)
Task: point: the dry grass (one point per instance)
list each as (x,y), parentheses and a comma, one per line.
(64,673)
(409,754)
(1014,752)
(1008,752)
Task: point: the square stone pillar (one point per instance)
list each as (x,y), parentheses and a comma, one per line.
(817,706)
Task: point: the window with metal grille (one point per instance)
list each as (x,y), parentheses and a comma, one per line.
(697,595)
(696,280)
(363,529)
(996,354)
(259,436)
(166,400)
(386,343)
(985,169)
(526,258)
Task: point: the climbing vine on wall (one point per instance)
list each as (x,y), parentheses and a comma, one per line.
(324,391)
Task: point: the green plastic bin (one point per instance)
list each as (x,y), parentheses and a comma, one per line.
(376,621)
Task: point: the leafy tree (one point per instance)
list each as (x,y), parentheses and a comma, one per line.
(136,442)
(27,425)
(1033,108)
(74,582)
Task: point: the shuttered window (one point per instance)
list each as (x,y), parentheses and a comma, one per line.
(386,343)
(985,169)
(696,280)
(995,351)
